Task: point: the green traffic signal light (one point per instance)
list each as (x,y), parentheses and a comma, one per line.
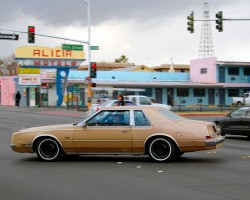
(219,21)
(31,34)
(93,69)
(191,22)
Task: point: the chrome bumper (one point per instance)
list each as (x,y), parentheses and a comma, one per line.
(216,141)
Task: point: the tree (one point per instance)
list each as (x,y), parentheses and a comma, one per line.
(8,66)
(122,59)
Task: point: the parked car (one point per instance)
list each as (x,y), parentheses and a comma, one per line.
(141,100)
(103,98)
(240,101)
(236,122)
(133,130)
(108,103)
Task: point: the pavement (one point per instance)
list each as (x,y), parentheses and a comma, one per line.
(63,111)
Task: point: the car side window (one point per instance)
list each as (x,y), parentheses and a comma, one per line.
(110,118)
(141,119)
(144,101)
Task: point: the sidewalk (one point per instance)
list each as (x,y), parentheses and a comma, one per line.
(62,111)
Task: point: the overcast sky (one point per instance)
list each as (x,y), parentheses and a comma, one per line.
(148,32)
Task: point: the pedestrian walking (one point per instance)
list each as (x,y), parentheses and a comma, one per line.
(18,98)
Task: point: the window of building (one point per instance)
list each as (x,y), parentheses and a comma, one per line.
(182,92)
(233,71)
(148,92)
(246,71)
(203,71)
(199,93)
(233,92)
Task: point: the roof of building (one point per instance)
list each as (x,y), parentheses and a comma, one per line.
(168,66)
(107,66)
(233,63)
(140,68)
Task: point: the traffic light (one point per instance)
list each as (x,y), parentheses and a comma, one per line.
(92,84)
(93,69)
(191,22)
(219,21)
(31,34)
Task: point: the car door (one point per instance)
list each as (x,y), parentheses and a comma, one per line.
(141,129)
(102,135)
(238,122)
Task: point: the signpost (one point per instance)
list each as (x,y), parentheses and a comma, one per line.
(73,47)
(9,37)
(94,47)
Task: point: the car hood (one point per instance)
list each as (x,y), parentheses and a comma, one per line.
(46,128)
(221,118)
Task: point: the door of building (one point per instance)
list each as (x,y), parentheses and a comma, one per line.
(222,75)
(211,96)
(170,96)
(222,97)
(158,95)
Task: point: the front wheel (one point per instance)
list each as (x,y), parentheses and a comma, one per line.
(239,104)
(48,149)
(161,150)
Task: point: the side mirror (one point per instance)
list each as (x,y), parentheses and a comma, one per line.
(84,124)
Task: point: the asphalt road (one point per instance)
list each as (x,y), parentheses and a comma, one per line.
(221,174)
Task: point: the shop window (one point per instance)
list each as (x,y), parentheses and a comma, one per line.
(233,71)
(182,92)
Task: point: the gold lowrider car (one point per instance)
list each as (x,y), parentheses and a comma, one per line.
(153,131)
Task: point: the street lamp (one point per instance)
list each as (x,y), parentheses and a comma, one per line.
(89,52)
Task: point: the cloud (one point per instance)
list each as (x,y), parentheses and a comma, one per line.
(148,32)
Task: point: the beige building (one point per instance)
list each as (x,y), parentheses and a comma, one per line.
(173,68)
(107,66)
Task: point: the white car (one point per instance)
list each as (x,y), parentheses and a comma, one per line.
(108,103)
(140,100)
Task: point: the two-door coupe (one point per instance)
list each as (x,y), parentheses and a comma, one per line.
(153,131)
(236,122)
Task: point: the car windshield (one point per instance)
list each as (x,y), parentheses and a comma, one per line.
(104,103)
(240,112)
(170,115)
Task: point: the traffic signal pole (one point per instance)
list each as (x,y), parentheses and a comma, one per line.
(89,54)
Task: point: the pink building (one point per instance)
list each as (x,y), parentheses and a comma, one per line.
(7,90)
(203,70)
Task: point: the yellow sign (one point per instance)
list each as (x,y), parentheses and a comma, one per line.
(39,52)
(21,70)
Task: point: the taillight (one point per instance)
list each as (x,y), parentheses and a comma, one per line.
(209,137)
(97,108)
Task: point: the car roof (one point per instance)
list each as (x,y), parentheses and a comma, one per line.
(132,108)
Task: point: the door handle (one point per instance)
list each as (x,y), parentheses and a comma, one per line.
(124,131)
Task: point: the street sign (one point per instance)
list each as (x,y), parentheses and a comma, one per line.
(94,47)
(9,37)
(73,47)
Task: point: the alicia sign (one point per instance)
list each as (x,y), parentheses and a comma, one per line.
(45,57)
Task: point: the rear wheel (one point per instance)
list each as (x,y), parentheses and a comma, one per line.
(48,149)
(162,150)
